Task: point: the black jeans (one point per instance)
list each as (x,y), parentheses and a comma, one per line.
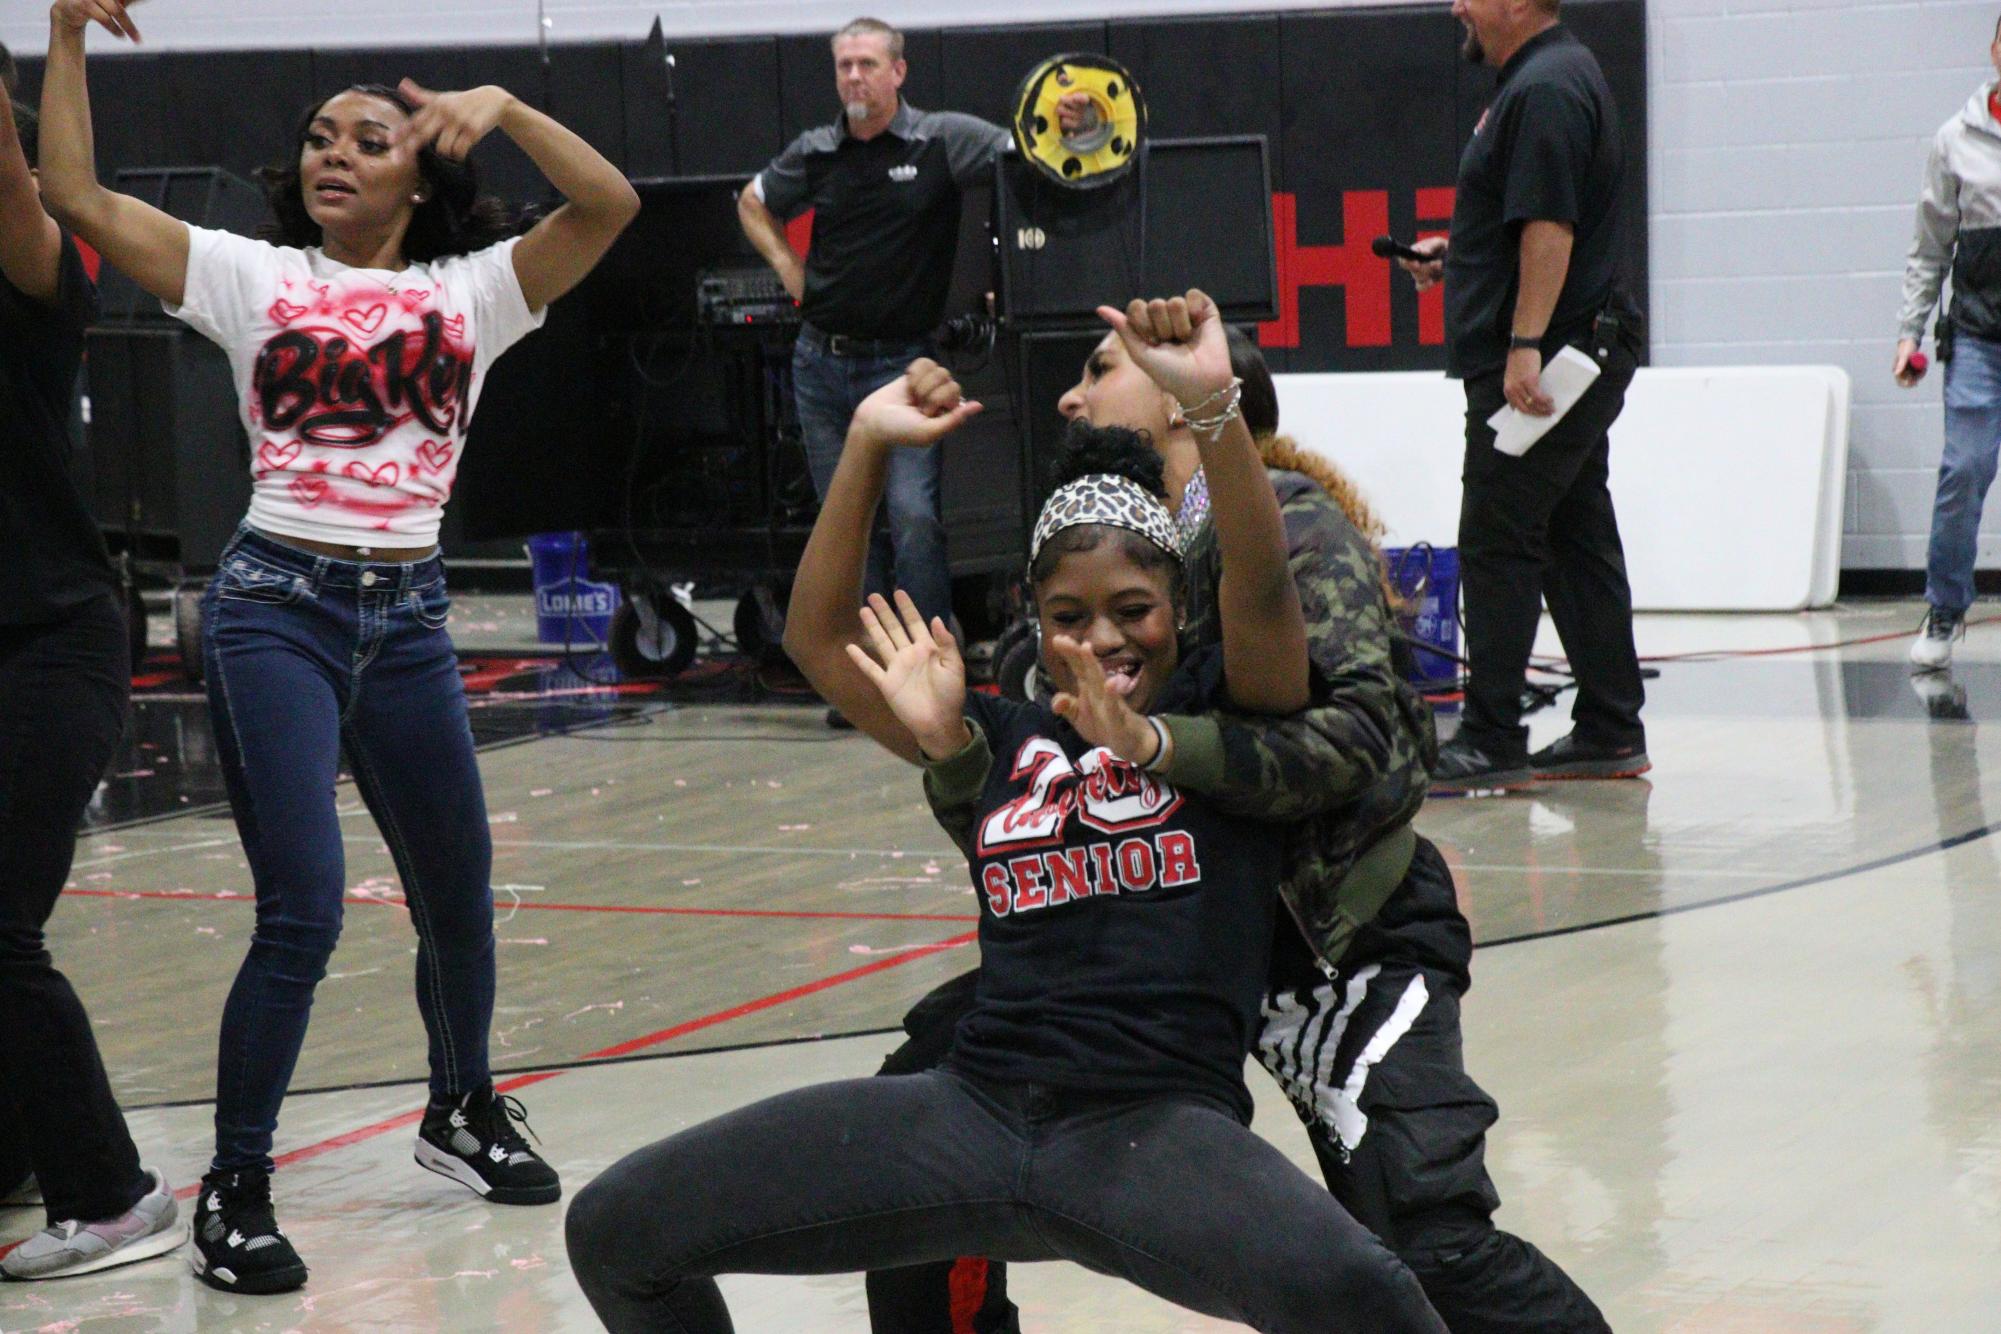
(868,1173)
(1541,528)
(63,689)
(1402,1147)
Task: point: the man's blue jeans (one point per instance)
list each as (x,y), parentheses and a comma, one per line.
(307,657)
(1966,471)
(828,389)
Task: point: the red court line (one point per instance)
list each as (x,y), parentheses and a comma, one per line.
(789,914)
(626,1048)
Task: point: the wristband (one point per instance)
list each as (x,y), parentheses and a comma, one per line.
(1163,750)
(1522,342)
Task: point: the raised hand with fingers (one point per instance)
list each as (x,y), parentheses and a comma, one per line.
(918,670)
(451,124)
(920,409)
(1100,716)
(110,14)
(1178,342)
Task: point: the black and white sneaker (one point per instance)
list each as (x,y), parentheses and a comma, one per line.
(238,1247)
(474,1142)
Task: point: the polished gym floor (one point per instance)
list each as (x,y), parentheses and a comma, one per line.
(1743,1017)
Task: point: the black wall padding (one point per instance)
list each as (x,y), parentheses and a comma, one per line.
(983,68)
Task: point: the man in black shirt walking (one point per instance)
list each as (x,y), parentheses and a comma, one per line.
(883,181)
(1530,267)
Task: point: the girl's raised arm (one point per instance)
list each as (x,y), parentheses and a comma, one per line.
(149,246)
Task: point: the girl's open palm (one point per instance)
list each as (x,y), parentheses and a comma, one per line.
(918,670)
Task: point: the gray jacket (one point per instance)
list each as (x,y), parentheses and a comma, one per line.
(1959,226)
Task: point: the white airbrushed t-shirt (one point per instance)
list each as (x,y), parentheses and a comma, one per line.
(356,385)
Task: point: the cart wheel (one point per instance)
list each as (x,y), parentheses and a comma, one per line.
(652,637)
(1014,659)
(135,625)
(187,629)
(760,621)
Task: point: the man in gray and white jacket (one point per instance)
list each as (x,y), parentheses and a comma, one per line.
(1958,227)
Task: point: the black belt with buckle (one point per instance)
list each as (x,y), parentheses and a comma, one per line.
(845,345)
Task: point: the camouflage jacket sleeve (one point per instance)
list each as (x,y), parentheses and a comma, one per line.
(1366,728)
(952,786)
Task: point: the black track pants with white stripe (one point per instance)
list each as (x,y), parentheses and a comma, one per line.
(1371,1061)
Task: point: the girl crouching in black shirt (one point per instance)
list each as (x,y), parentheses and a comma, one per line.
(1094,1095)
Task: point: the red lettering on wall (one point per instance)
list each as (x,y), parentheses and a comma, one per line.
(1433,205)
(1350,266)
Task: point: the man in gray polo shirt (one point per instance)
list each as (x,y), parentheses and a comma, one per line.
(883,182)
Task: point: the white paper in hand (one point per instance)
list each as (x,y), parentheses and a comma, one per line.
(1566,377)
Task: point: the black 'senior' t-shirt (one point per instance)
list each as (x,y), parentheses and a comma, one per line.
(1547,150)
(1125,927)
(55,557)
(886,217)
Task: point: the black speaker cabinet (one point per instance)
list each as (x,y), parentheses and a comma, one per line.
(170,466)
(1191,213)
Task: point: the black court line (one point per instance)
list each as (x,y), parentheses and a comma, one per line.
(1911,854)
(538,1069)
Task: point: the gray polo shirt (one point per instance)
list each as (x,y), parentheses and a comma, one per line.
(885,216)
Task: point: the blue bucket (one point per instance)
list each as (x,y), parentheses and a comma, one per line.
(1427,579)
(570,608)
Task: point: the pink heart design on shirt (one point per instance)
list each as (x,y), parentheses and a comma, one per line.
(434,456)
(284,312)
(414,298)
(367,321)
(381,475)
(275,455)
(456,326)
(309,491)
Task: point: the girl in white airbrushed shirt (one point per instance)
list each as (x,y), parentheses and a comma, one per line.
(359,335)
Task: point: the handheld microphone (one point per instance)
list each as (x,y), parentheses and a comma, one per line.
(1388,247)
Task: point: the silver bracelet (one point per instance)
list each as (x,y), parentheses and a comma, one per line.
(1236,385)
(1212,427)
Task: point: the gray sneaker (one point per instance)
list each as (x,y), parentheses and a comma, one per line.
(148,1228)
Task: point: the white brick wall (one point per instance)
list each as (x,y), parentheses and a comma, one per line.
(1788,139)
(1788,143)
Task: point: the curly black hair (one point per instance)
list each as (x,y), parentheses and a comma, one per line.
(1088,449)
(454,219)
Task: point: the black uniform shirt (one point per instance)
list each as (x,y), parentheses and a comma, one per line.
(55,557)
(1547,150)
(1125,927)
(886,216)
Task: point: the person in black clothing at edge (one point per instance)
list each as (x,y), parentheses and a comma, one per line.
(883,182)
(1094,1099)
(1361,1018)
(64,680)
(1531,266)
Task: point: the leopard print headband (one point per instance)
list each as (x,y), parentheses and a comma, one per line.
(1111,500)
